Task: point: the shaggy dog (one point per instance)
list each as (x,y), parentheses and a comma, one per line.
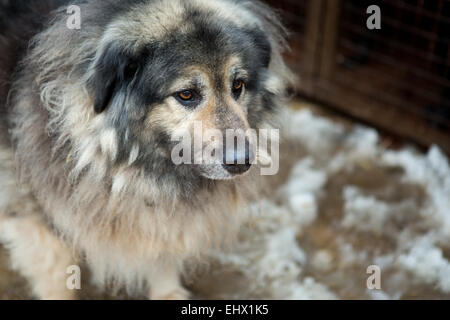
(88,118)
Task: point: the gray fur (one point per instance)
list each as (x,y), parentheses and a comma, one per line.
(90,129)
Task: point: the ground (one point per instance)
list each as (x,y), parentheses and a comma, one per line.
(346,198)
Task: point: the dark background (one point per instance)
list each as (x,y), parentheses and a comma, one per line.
(396,78)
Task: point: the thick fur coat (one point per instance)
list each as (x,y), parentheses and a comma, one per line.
(86,123)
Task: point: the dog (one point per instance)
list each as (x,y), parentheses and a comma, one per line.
(88,117)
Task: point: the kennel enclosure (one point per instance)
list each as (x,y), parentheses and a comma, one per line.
(396,78)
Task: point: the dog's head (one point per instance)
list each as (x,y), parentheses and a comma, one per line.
(166,69)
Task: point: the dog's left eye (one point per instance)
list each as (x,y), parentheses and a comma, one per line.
(186,95)
(188,98)
(238,85)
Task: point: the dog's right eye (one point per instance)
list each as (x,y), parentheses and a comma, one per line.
(188,98)
(238,86)
(186,95)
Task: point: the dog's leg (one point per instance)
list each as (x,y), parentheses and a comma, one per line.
(38,255)
(165,283)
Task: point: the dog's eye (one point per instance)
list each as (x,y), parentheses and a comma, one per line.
(238,85)
(186,95)
(188,98)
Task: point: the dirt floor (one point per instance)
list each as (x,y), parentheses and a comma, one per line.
(346,197)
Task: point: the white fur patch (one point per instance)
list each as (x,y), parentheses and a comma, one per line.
(108,143)
(120,182)
(274,85)
(133,154)
(87,155)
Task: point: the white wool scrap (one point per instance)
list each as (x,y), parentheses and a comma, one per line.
(316,133)
(363,142)
(384,262)
(306,179)
(304,205)
(360,144)
(266,216)
(309,289)
(269,255)
(322,260)
(348,256)
(365,213)
(433,173)
(427,262)
(378,295)
(280,269)
(301,191)
(282,256)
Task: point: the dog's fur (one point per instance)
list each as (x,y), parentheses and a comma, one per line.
(86,126)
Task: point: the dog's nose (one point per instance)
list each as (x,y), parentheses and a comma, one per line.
(239,161)
(239,166)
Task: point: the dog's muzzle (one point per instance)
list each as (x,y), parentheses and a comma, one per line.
(237,161)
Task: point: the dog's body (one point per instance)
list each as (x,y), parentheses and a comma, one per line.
(85,136)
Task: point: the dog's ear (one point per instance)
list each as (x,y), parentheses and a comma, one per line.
(113,70)
(276,34)
(264,47)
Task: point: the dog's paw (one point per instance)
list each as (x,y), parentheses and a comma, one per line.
(177,294)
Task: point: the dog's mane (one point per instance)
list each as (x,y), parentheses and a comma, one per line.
(65,152)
